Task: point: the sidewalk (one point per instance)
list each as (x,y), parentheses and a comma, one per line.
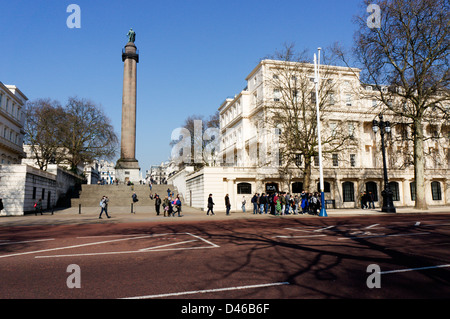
(89,215)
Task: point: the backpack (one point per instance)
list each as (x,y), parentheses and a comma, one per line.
(314,200)
(101,203)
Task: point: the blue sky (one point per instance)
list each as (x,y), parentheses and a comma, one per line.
(193,53)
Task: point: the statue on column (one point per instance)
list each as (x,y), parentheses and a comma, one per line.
(131,36)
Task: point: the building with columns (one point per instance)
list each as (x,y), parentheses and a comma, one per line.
(250,148)
(12,120)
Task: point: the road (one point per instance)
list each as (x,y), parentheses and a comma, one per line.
(263,259)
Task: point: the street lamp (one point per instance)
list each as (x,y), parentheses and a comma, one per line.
(384,127)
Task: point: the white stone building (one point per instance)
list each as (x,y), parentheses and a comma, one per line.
(250,155)
(12,119)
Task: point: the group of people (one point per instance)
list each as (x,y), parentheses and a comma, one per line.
(171,205)
(284,203)
(276,204)
(367,200)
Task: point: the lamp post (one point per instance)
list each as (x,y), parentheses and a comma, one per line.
(384,127)
(323,211)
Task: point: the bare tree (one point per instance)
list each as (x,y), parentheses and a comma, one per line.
(407,62)
(291,111)
(42,131)
(88,133)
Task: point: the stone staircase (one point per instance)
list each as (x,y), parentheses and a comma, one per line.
(120,195)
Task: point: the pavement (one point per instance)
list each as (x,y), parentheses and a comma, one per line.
(89,215)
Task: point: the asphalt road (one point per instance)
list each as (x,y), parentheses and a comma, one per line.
(307,258)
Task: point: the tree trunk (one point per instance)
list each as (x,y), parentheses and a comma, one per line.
(307,175)
(419,166)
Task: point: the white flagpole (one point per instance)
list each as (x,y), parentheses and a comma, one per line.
(323,212)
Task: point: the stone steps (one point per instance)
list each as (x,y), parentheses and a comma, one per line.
(120,195)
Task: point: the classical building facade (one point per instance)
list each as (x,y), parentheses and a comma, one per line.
(12,119)
(252,151)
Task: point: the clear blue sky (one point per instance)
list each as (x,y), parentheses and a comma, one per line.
(193,53)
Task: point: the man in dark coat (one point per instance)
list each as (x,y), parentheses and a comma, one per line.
(210,205)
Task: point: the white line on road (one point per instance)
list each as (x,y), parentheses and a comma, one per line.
(374,225)
(74,246)
(412,269)
(377,236)
(173,244)
(208,291)
(306,236)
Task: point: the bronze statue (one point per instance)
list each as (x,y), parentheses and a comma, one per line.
(131,36)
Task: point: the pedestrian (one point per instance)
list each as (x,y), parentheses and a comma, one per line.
(166,204)
(314,203)
(371,198)
(103,205)
(157,204)
(255,203)
(38,207)
(262,201)
(296,204)
(227,204)
(244,201)
(1,205)
(178,204)
(278,206)
(266,203)
(168,192)
(283,203)
(210,205)
(304,202)
(135,200)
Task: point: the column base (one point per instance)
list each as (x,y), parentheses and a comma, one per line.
(128,170)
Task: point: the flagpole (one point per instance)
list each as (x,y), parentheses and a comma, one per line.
(323,212)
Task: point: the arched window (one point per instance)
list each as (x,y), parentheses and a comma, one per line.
(348,191)
(395,191)
(244,188)
(371,187)
(412,188)
(436,191)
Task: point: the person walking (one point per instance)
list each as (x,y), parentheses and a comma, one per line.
(210,205)
(227,204)
(371,198)
(104,206)
(38,207)
(166,204)
(157,204)
(304,202)
(135,200)
(178,206)
(244,201)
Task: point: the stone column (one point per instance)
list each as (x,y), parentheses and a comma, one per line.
(127,167)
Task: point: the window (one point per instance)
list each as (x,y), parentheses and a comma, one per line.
(352,160)
(332,99)
(316,161)
(395,191)
(335,160)
(348,191)
(276,95)
(436,191)
(298,159)
(244,188)
(348,100)
(351,129)
(374,103)
(412,188)
(34,193)
(326,187)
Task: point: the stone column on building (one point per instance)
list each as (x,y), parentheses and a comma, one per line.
(127,167)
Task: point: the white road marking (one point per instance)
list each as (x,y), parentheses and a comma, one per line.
(173,244)
(325,228)
(208,291)
(394,235)
(69,247)
(306,236)
(371,226)
(412,269)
